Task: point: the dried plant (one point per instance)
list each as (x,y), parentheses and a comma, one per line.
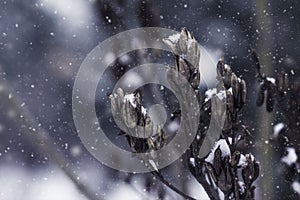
(225,171)
(283,91)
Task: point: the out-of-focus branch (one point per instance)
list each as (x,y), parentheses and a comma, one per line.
(39,137)
(263,25)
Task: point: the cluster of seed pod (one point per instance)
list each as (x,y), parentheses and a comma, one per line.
(284,89)
(267,87)
(235,89)
(128,111)
(224,171)
(187,55)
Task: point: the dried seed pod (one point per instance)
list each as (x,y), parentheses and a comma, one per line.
(261,95)
(120,97)
(160,138)
(113,103)
(220,68)
(260,98)
(129,115)
(227,123)
(270,101)
(183,68)
(148,128)
(242,93)
(235,87)
(235,158)
(195,79)
(225,179)
(229,101)
(218,161)
(193,54)
(131,143)
(251,171)
(151,144)
(182,41)
(138,107)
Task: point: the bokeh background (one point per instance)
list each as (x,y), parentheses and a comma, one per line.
(43,43)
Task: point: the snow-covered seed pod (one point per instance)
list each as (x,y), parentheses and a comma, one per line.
(129,115)
(251,171)
(235,158)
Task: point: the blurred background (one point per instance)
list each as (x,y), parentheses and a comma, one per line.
(42,45)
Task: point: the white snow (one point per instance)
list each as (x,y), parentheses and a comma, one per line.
(189,43)
(211,92)
(242,161)
(296,186)
(223,147)
(130,98)
(291,157)
(174,38)
(277,128)
(153,165)
(272,80)
(45,184)
(192,161)
(227,67)
(221,194)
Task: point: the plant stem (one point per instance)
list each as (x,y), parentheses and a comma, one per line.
(169,185)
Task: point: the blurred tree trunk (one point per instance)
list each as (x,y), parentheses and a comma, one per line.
(264,50)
